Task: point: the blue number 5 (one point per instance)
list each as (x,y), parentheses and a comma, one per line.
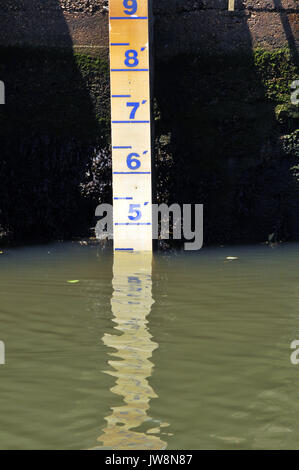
(134,208)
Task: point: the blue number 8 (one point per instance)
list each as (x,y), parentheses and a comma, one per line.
(131,6)
(131,55)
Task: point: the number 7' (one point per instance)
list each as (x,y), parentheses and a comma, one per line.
(134,106)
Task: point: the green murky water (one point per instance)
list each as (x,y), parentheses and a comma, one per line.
(191,354)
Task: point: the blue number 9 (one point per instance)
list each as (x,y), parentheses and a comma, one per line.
(131,6)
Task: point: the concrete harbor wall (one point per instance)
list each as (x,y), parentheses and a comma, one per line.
(226,130)
(180,26)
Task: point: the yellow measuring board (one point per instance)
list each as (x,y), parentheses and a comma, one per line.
(131,125)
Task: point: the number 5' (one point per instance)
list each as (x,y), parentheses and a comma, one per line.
(134,208)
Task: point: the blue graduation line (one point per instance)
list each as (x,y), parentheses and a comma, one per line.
(122,198)
(132,223)
(122,147)
(121,96)
(131,172)
(130,70)
(128,17)
(130,122)
(124,249)
(119,44)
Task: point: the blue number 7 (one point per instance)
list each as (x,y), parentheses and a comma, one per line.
(135,106)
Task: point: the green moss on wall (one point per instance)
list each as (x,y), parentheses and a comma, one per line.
(55,91)
(276,70)
(53,128)
(225,106)
(227,118)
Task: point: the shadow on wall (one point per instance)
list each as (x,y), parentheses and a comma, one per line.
(220,118)
(224,124)
(52,126)
(293,41)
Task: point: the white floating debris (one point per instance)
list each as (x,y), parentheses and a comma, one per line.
(231,258)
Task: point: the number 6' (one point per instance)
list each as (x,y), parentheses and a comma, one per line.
(132,161)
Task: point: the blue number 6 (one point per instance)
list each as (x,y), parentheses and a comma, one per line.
(132,162)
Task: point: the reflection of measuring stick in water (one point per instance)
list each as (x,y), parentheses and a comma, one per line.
(2,353)
(131,124)
(2,93)
(231,5)
(131,303)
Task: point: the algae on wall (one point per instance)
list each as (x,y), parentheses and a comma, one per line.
(53,128)
(225,138)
